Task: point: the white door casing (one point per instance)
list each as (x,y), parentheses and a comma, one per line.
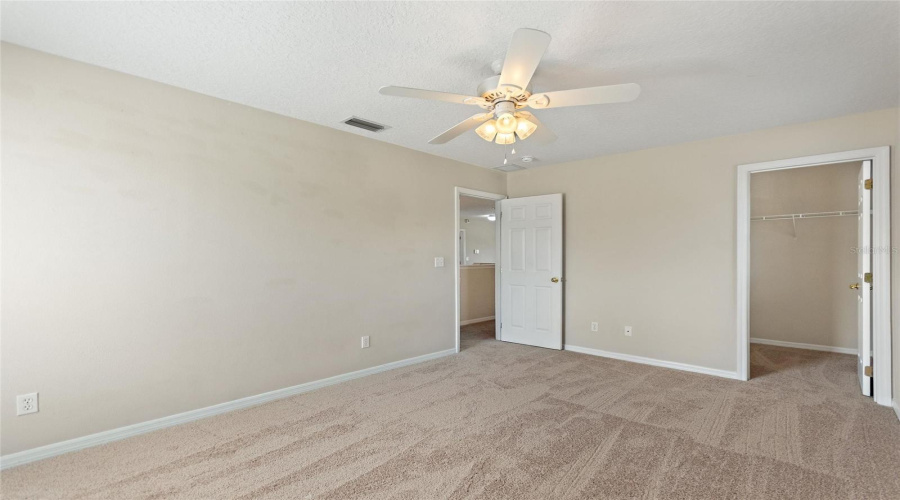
(462,247)
(880,255)
(864,266)
(531,264)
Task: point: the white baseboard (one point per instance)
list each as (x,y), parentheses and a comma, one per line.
(896,407)
(476,320)
(654,362)
(798,345)
(52,450)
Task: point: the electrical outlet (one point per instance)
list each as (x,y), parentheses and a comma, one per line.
(439,262)
(365,342)
(595,327)
(628,331)
(27,403)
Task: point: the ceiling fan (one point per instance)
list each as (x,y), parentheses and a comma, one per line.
(505,94)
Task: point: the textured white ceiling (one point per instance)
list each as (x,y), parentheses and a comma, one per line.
(707,68)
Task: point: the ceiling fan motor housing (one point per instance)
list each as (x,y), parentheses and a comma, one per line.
(492,92)
(503,107)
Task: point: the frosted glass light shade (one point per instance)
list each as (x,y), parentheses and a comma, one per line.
(525,128)
(506,123)
(487,130)
(506,138)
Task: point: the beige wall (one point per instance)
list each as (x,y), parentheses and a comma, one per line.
(165,251)
(476,292)
(800,274)
(650,236)
(481,235)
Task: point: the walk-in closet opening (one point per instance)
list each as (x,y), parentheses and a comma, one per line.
(810,235)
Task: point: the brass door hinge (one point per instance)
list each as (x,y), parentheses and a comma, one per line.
(868,371)
(868,183)
(867,277)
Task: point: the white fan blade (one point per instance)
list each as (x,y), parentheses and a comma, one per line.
(461,128)
(525,52)
(433,95)
(580,97)
(542,135)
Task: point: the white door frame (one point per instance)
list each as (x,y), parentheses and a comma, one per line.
(881,256)
(461,242)
(457,192)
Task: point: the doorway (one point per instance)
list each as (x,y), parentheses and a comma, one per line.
(803,235)
(527,267)
(807,228)
(477,247)
(476,267)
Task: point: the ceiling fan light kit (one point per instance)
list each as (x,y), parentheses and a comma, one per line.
(504,95)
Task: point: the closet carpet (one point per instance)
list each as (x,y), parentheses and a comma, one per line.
(508,421)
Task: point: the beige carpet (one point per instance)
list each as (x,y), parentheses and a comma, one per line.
(507,421)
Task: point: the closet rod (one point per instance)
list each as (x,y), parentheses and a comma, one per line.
(809,215)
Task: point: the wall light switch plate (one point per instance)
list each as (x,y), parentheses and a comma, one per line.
(595,327)
(628,331)
(438,262)
(364,343)
(27,403)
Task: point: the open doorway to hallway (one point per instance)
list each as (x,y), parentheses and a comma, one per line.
(527,255)
(477,256)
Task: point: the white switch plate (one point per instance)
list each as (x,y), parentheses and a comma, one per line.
(595,327)
(628,331)
(27,403)
(438,262)
(364,342)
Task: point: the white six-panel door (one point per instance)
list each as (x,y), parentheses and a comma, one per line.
(531,270)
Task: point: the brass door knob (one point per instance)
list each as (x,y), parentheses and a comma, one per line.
(854,286)
(554,279)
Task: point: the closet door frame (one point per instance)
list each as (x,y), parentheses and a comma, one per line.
(881,257)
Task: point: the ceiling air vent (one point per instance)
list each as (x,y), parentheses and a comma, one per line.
(510,167)
(357,122)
